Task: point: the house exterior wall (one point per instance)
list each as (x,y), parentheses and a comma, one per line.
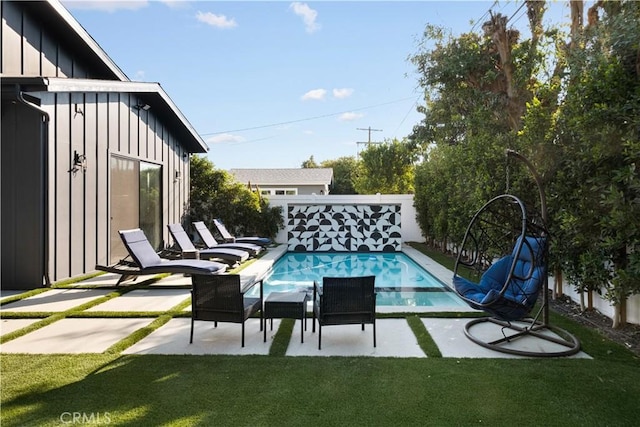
(29,49)
(95,124)
(300,189)
(100,125)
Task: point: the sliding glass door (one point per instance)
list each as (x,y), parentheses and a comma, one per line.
(136,202)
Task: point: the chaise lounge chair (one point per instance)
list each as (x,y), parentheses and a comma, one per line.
(231,256)
(146,261)
(228,237)
(210,242)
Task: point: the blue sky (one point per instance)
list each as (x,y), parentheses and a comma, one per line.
(269,84)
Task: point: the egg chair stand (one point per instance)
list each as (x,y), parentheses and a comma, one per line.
(505,247)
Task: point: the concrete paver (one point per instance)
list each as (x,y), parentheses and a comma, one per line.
(145,300)
(75,336)
(394,339)
(173,338)
(55,300)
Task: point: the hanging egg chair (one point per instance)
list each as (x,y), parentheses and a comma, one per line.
(502,269)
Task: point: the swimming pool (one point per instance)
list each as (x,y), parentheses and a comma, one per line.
(400,281)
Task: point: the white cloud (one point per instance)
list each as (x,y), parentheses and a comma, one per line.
(218,21)
(139,76)
(308,15)
(349,117)
(342,93)
(105,5)
(175,4)
(315,94)
(224,137)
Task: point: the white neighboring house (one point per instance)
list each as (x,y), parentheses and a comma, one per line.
(303,181)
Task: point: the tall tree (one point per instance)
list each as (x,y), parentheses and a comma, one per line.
(214,194)
(310,163)
(386,168)
(344,172)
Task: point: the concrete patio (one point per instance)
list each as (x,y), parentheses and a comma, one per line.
(93,334)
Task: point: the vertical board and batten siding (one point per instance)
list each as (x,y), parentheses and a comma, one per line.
(97,125)
(79,202)
(39,54)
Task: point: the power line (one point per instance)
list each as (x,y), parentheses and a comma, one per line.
(306,119)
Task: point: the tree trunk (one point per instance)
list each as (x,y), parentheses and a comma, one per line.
(504,39)
(616,316)
(577,17)
(557,282)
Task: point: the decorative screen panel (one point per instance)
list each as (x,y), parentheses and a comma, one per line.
(344,228)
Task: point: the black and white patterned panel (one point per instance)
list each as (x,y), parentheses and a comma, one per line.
(340,228)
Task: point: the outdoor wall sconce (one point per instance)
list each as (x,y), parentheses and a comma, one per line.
(142,106)
(79,162)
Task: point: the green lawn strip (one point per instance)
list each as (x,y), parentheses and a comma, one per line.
(75,280)
(32,327)
(138,335)
(162,318)
(22,295)
(75,312)
(318,391)
(283,336)
(426,343)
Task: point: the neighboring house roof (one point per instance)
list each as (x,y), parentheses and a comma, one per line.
(151,93)
(304,176)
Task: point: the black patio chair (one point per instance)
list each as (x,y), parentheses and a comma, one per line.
(221,298)
(344,301)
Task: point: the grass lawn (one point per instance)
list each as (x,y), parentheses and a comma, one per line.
(274,390)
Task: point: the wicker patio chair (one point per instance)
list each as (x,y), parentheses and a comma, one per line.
(344,301)
(221,298)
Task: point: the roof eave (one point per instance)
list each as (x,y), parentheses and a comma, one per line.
(151,93)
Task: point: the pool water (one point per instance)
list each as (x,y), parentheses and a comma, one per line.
(400,281)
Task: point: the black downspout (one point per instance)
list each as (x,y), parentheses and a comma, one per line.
(45,174)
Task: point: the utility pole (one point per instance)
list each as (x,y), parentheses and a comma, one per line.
(368,142)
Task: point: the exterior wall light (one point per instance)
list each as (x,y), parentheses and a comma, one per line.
(79,163)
